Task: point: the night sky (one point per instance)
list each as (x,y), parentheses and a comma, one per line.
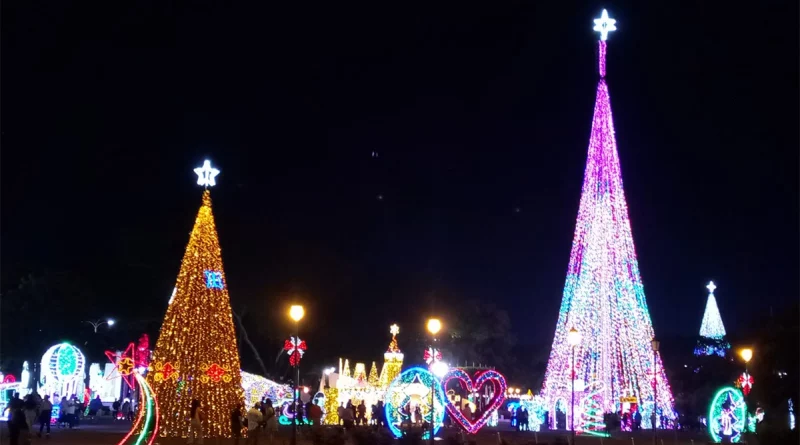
(382,160)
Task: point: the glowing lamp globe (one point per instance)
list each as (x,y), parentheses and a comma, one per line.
(746,354)
(296,312)
(439,368)
(111,322)
(434,326)
(573,337)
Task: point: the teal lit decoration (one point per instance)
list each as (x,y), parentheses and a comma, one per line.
(67,361)
(727,415)
(409,390)
(214,280)
(537,412)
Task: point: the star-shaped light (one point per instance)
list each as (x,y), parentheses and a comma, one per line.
(206,174)
(416,388)
(604,25)
(124,365)
(711,287)
(394,329)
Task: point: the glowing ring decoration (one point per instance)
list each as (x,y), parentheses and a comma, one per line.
(413,386)
(63,363)
(149,431)
(482,378)
(726,415)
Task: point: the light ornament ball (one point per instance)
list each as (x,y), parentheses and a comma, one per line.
(747,354)
(63,362)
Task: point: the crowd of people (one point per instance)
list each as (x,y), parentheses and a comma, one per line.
(262,420)
(351,415)
(32,411)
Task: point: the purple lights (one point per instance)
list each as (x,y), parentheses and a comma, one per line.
(603,296)
(601,57)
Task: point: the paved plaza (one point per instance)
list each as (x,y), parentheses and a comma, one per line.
(106,432)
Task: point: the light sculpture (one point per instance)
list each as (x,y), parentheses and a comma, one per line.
(603,293)
(471,386)
(407,392)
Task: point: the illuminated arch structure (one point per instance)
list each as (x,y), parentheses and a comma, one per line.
(63,370)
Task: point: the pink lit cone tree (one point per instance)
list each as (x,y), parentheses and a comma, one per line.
(603,296)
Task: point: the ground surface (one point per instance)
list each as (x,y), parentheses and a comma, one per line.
(106,432)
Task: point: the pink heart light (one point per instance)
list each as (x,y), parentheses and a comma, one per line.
(480,379)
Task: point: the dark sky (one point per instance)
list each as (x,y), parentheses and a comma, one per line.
(480,115)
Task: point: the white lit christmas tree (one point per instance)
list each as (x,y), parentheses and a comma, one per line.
(712,331)
(603,296)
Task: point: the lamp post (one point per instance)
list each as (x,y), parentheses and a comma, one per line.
(573,338)
(97,323)
(434,326)
(296,313)
(655,344)
(746,355)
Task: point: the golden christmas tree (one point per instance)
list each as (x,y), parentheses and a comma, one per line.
(372,380)
(392,359)
(196,356)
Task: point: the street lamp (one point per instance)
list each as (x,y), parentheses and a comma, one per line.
(434,326)
(746,354)
(573,339)
(656,345)
(97,323)
(296,313)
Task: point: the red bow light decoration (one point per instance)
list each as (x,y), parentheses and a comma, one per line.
(295,347)
(431,355)
(745,381)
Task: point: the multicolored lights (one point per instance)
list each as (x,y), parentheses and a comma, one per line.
(408,401)
(603,295)
(490,376)
(149,413)
(727,415)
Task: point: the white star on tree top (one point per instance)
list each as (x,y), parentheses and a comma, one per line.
(711,287)
(206,174)
(394,329)
(604,25)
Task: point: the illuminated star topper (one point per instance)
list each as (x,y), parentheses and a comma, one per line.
(604,25)
(206,174)
(711,287)
(394,330)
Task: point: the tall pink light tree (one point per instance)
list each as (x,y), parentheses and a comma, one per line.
(603,296)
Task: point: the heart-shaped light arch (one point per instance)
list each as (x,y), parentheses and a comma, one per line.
(489,376)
